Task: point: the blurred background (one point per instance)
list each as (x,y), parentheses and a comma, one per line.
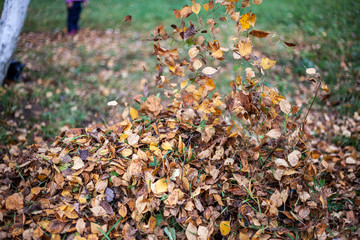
(67,82)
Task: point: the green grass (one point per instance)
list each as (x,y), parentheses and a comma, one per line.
(327,34)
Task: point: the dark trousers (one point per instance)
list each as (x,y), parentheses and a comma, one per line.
(73,17)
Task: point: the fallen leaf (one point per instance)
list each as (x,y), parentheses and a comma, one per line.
(161,186)
(80,226)
(122,210)
(78,163)
(203,233)
(134,113)
(14,202)
(191,231)
(281,162)
(225,228)
(274,133)
(257,2)
(294,157)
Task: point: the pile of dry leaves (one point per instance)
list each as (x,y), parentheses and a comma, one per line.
(197,165)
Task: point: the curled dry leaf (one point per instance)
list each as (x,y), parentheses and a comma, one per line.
(294,157)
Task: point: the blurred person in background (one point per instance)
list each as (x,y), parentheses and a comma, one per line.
(74,10)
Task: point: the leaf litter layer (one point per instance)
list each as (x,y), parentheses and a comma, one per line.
(197,165)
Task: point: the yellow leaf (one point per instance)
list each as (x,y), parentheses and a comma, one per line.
(196,8)
(244,22)
(245,47)
(133,113)
(266,63)
(166,146)
(225,228)
(252,19)
(183,84)
(161,185)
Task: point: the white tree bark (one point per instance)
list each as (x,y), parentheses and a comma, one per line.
(12,20)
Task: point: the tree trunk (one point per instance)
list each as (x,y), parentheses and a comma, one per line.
(12,20)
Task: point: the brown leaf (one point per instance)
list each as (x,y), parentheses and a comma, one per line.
(128,18)
(259,33)
(289,44)
(14,202)
(56,226)
(122,210)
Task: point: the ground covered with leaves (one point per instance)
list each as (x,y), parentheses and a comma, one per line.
(191,162)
